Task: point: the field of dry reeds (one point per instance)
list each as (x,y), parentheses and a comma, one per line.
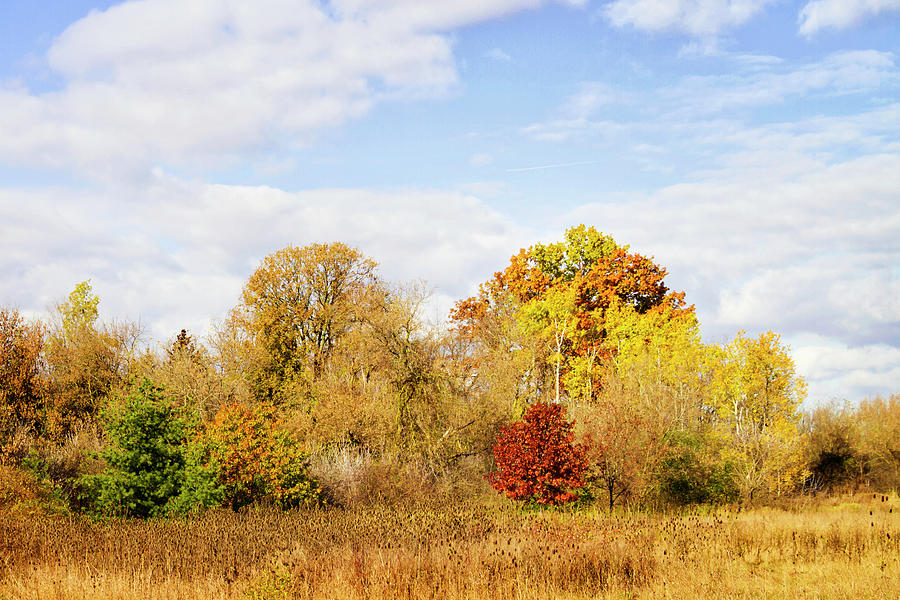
(836,548)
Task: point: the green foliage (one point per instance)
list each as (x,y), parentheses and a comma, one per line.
(583,247)
(692,473)
(145,455)
(272,585)
(291,484)
(201,488)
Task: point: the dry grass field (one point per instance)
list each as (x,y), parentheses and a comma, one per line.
(836,548)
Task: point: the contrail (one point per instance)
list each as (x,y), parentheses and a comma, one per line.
(571,164)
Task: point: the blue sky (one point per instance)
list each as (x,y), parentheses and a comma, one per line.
(161,148)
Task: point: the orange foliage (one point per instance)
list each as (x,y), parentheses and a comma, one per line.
(603,274)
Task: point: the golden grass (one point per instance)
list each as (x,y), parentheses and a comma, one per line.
(822,551)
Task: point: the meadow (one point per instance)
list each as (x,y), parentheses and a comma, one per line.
(839,547)
(340,448)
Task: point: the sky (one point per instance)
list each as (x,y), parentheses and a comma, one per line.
(162,148)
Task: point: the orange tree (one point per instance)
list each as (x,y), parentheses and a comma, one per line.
(592,272)
(242,458)
(295,307)
(537,459)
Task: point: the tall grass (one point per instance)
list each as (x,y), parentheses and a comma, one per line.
(847,549)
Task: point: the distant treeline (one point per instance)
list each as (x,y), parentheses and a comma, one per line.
(323,385)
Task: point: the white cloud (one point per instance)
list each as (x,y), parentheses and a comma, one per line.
(203,84)
(176,253)
(498,55)
(834,369)
(845,72)
(795,253)
(591,95)
(435,14)
(841,14)
(694,17)
(814,253)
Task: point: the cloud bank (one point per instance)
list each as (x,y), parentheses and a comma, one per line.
(841,14)
(206,83)
(177,254)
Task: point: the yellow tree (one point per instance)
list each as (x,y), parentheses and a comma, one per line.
(297,304)
(86,361)
(878,423)
(660,357)
(552,315)
(757,394)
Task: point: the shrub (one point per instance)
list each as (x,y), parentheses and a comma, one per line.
(145,455)
(536,458)
(832,447)
(241,458)
(691,473)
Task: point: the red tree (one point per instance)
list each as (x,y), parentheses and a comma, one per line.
(537,459)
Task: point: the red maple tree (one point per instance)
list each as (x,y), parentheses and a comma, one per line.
(537,458)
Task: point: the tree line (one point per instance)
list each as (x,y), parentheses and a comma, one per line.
(324,385)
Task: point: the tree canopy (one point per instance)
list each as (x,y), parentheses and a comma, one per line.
(298,303)
(566,293)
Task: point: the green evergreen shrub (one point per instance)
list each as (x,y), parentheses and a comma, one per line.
(145,455)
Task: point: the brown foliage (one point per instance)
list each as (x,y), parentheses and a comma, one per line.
(22,385)
(85,367)
(843,550)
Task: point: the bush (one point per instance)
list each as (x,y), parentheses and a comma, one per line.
(145,455)
(241,458)
(832,447)
(692,474)
(536,458)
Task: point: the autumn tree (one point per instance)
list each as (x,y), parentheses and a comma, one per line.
(498,361)
(189,374)
(21,378)
(388,387)
(537,459)
(878,426)
(757,394)
(624,443)
(660,363)
(86,359)
(243,457)
(565,289)
(552,315)
(833,450)
(296,305)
